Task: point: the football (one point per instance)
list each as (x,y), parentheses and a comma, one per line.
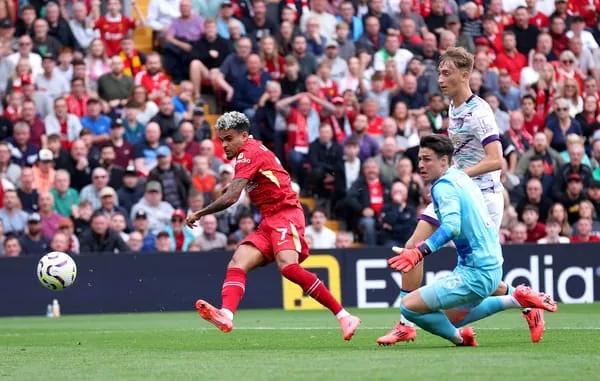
(56,271)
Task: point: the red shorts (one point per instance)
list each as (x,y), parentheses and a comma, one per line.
(282,231)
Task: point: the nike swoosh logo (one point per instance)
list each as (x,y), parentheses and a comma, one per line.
(281,243)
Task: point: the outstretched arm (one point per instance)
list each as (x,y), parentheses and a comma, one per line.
(231,195)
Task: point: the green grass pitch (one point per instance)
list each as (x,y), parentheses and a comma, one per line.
(278,345)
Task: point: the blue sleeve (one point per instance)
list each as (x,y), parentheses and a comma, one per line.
(448,201)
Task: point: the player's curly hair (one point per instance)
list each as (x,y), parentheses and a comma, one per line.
(460,57)
(233,120)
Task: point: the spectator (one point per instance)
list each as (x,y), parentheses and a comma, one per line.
(181,236)
(386,160)
(82,26)
(200,131)
(101,239)
(25,53)
(135,241)
(306,60)
(114,25)
(398,219)
(536,171)
(156,83)
(133,60)
(207,149)
(268,125)
(594,194)
(535,229)
(78,165)
(518,234)
(178,152)
(368,146)
(553,233)
(122,149)
(8,170)
(65,197)
(210,238)
(319,12)
(50,82)
(22,151)
(78,98)
(559,213)
(43,172)
(32,241)
(27,194)
(146,109)
(248,89)
(164,243)
(13,218)
(12,246)
(293,81)
(365,199)
(55,124)
(572,197)
(108,200)
(167,118)
(412,181)
(91,192)
(344,240)
(326,161)
(322,236)
(246,227)
(157,211)
(141,225)
(208,54)
(516,141)
(203,178)
(145,151)
(134,129)
(352,163)
(226,16)
(82,214)
(501,116)
(574,167)
(552,159)
(115,87)
(49,217)
(258,25)
(180,37)
(525,33)
(44,44)
(118,222)
(588,118)
(584,235)
(175,179)
(60,242)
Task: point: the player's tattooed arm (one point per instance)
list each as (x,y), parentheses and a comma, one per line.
(231,195)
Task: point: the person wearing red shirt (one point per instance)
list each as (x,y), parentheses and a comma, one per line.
(533,123)
(536,18)
(114,25)
(588,9)
(502,18)
(77,99)
(15,106)
(558,28)
(280,235)
(491,34)
(584,228)
(181,236)
(178,153)
(153,79)
(535,230)
(509,58)
(370,109)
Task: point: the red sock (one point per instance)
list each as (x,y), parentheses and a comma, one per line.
(312,286)
(233,289)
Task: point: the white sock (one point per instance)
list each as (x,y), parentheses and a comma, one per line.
(227,313)
(509,302)
(342,314)
(457,339)
(406,322)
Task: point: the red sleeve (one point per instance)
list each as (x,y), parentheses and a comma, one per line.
(129,24)
(99,23)
(247,165)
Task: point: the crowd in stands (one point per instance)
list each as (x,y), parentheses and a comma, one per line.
(105,148)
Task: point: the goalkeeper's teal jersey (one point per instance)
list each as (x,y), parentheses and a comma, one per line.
(464,218)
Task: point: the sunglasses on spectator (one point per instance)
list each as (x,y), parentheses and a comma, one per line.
(568,61)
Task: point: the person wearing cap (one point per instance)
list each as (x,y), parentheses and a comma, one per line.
(225,16)
(100,239)
(181,236)
(225,175)
(107,161)
(43,171)
(123,150)
(115,87)
(69,241)
(572,196)
(7,34)
(175,180)
(158,211)
(134,129)
(132,189)
(141,224)
(13,218)
(201,130)
(339,66)
(593,194)
(164,243)
(32,241)
(178,150)
(108,199)
(96,121)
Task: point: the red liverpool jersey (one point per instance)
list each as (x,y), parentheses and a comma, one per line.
(112,31)
(269,185)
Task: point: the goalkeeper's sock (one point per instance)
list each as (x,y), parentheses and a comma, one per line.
(511,290)
(434,322)
(311,285)
(403,320)
(487,307)
(233,289)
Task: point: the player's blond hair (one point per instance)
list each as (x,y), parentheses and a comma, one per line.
(462,59)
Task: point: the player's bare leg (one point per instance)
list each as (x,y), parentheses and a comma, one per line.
(405,330)
(287,262)
(245,259)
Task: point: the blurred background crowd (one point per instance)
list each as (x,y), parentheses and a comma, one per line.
(107,112)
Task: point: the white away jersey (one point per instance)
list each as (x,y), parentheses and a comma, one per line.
(472,126)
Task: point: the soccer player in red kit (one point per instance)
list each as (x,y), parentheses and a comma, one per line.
(279,237)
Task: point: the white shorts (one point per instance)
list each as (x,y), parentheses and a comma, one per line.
(493,201)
